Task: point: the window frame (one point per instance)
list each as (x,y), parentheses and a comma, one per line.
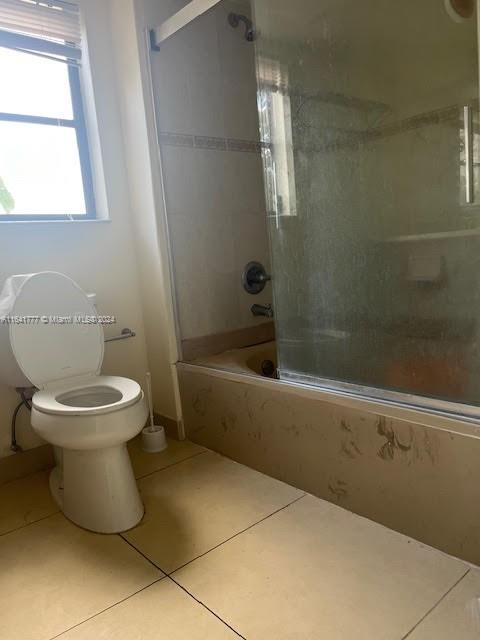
(78,123)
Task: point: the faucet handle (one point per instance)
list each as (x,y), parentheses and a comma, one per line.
(255,277)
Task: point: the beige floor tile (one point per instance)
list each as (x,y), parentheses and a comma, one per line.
(145,463)
(160,612)
(54,575)
(457,616)
(314,571)
(24,501)
(197,504)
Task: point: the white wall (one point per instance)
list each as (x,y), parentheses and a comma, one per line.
(100,256)
(144,177)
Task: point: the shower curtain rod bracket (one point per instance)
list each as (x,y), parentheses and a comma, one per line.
(153,40)
(190,12)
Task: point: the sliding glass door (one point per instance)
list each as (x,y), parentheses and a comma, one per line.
(370,134)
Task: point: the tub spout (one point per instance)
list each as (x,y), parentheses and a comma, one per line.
(265,310)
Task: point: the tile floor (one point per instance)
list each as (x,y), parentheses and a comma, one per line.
(223,552)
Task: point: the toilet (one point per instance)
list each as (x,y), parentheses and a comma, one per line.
(49,338)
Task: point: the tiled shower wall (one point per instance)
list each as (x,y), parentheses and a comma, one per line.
(205,90)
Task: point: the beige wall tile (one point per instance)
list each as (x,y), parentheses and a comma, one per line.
(244,184)
(314,570)
(205,85)
(237,59)
(194,506)
(170,71)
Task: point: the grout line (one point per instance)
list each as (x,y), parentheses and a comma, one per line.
(142,554)
(176,583)
(236,534)
(169,574)
(435,605)
(28,524)
(79,624)
(28,475)
(205,606)
(173,464)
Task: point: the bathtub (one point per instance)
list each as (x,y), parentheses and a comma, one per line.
(247,361)
(403,467)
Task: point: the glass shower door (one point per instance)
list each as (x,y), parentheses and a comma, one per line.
(370,136)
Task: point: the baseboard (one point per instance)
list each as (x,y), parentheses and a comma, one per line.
(25,463)
(172,427)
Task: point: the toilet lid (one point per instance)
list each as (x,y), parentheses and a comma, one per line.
(59,342)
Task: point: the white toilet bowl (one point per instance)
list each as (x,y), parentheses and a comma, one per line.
(89,416)
(92,423)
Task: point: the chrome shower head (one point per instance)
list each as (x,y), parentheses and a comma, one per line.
(234,20)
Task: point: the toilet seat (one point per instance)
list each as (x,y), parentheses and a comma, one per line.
(94,396)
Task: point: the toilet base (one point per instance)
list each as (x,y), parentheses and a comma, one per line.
(99,489)
(56,486)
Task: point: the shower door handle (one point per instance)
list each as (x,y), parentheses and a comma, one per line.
(468,142)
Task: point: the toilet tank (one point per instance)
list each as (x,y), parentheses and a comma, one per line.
(10,373)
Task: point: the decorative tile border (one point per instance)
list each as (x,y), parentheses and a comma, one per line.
(175,139)
(210,143)
(247,146)
(355,138)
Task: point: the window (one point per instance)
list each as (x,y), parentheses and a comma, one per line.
(475,167)
(277,143)
(45,168)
